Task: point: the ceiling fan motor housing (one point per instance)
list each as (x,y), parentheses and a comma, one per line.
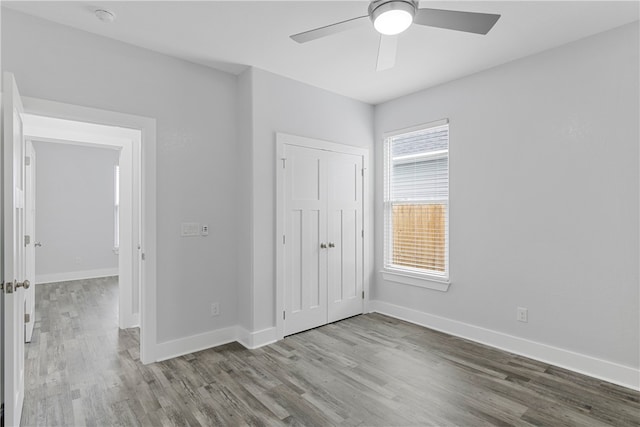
(378,7)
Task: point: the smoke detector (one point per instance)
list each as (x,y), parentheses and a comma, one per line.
(105,15)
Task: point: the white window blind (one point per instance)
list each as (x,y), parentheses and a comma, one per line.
(417,201)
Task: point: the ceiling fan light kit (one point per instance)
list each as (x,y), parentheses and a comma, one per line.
(392,17)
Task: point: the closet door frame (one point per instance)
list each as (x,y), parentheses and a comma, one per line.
(282,140)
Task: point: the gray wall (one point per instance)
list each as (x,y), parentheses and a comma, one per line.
(195,111)
(544,179)
(544,196)
(244,187)
(284,105)
(75,210)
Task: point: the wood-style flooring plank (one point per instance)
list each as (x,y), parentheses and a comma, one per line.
(369,370)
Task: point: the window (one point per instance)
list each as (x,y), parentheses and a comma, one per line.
(416,202)
(116,208)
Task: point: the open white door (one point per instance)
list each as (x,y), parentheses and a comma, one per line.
(30,240)
(13,251)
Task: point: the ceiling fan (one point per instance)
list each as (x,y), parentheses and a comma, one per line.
(392,17)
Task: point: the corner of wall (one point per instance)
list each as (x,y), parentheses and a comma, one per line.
(244,180)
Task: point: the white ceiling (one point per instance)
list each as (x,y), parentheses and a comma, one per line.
(229,35)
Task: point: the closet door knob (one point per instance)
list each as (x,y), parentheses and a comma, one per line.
(331,245)
(24,284)
(323,246)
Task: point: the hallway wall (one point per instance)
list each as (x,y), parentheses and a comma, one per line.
(75,219)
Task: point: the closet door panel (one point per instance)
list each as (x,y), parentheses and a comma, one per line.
(305,224)
(344,211)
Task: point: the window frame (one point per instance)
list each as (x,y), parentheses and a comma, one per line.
(408,275)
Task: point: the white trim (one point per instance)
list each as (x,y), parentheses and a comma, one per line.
(625,376)
(416,128)
(421,281)
(75,275)
(367,226)
(319,144)
(206,340)
(135,320)
(283,139)
(179,347)
(147,188)
(280,231)
(253,340)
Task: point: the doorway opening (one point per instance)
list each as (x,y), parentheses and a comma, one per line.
(15,192)
(123,146)
(134,137)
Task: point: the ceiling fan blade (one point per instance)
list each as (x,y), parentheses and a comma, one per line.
(328,30)
(387,52)
(470,22)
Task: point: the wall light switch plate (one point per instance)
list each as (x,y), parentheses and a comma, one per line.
(189,229)
(204,230)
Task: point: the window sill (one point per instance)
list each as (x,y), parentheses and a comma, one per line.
(421,281)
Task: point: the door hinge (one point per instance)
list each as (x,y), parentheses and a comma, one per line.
(27,318)
(142,256)
(362,233)
(362,172)
(284,239)
(27,161)
(362,294)
(284,315)
(284,162)
(27,239)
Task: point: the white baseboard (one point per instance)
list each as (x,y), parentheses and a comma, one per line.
(182,346)
(625,376)
(253,340)
(135,320)
(76,275)
(131,321)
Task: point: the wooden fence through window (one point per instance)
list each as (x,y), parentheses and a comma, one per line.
(419,236)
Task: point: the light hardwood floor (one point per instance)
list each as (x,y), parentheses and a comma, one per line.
(368,370)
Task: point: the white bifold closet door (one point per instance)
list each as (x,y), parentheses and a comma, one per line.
(323,237)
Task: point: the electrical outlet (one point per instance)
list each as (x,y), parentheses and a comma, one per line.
(215,309)
(204,230)
(522,315)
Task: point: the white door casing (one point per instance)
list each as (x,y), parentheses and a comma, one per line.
(13,251)
(320,270)
(145,184)
(30,248)
(127,142)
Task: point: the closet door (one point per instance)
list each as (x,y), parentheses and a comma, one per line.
(306,230)
(345,239)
